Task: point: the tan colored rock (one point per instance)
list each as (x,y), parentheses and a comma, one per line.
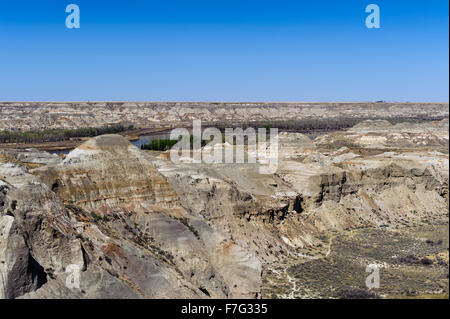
(140,226)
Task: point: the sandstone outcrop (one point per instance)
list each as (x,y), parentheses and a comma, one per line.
(123,223)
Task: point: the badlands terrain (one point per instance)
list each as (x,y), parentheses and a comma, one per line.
(140,226)
(40,115)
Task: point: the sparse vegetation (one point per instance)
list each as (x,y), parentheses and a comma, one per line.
(96,217)
(185,222)
(159,145)
(308,125)
(56,135)
(357,293)
(414,268)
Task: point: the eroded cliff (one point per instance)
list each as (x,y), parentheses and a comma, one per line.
(139,225)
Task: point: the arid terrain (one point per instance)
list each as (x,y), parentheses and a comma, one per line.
(140,226)
(42,115)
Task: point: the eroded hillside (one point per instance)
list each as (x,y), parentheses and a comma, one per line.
(139,225)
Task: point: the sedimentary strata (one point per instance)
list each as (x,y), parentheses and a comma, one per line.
(45,115)
(139,226)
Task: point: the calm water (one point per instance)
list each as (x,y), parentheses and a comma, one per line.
(61,152)
(145,139)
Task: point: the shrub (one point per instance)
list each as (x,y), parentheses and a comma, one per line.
(357,293)
(426,261)
(410,259)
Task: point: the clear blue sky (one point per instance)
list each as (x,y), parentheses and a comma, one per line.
(224,50)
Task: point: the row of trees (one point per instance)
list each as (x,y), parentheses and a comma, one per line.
(159,145)
(325,124)
(56,135)
(164,144)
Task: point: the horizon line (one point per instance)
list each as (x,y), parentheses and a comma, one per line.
(221,102)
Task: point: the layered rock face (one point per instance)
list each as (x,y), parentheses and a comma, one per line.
(139,226)
(312,193)
(125,228)
(45,115)
(35,228)
(108,173)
